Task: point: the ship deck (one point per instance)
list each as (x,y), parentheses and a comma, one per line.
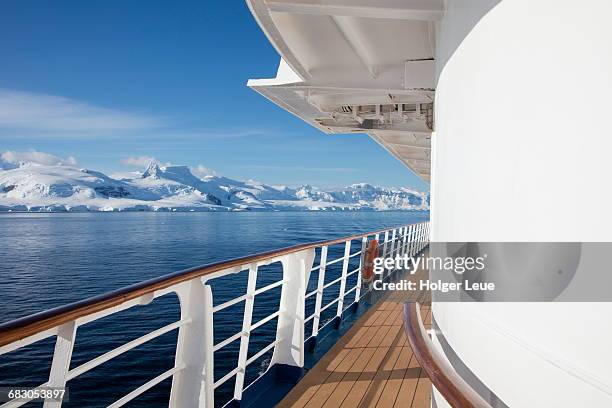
(372,365)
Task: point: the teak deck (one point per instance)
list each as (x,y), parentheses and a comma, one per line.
(372,365)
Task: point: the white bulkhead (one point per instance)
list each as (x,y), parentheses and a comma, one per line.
(521,154)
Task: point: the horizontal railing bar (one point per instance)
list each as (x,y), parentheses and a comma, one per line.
(229,340)
(83,368)
(351,290)
(353,271)
(326,323)
(310,318)
(330,304)
(355,254)
(349,306)
(270,286)
(236,336)
(262,352)
(148,385)
(264,321)
(332,282)
(229,303)
(226,377)
(314,292)
(27,326)
(335,261)
(314,268)
(364,293)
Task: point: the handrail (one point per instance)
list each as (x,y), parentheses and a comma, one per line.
(29,325)
(455,390)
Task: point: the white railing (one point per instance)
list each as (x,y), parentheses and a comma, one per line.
(193,379)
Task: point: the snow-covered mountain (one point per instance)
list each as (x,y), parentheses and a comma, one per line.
(34,187)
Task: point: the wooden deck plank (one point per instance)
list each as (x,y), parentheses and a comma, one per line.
(382,317)
(360,387)
(310,384)
(408,386)
(422,396)
(379,336)
(395,316)
(377,385)
(372,365)
(324,391)
(393,384)
(343,387)
(394,335)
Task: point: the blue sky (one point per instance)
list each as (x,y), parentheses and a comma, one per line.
(112,83)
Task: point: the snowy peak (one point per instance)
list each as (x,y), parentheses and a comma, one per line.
(152,170)
(175,188)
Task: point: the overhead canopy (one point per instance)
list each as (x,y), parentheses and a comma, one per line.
(357,66)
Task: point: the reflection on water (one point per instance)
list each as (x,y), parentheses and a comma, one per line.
(48,260)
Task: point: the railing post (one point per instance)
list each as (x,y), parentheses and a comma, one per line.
(420,238)
(398,241)
(405,241)
(193,386)
(391,254)
(345,264)
(384,251)
(409,244)
(61,359)
(400,234)
(207,398)
(364,246)
(289,352)
(422,245)
(319,298)
(247,319)
(382,254)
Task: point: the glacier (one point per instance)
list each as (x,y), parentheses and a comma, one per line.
(34,187)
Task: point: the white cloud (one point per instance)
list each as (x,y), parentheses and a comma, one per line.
(38,114)
(140,161)
(10,159)
(202,171)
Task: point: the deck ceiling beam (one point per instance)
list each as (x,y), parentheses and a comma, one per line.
(424,10)
(418,162)
(354,39)
(407,144)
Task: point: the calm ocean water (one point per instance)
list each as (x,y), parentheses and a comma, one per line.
(48,260)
